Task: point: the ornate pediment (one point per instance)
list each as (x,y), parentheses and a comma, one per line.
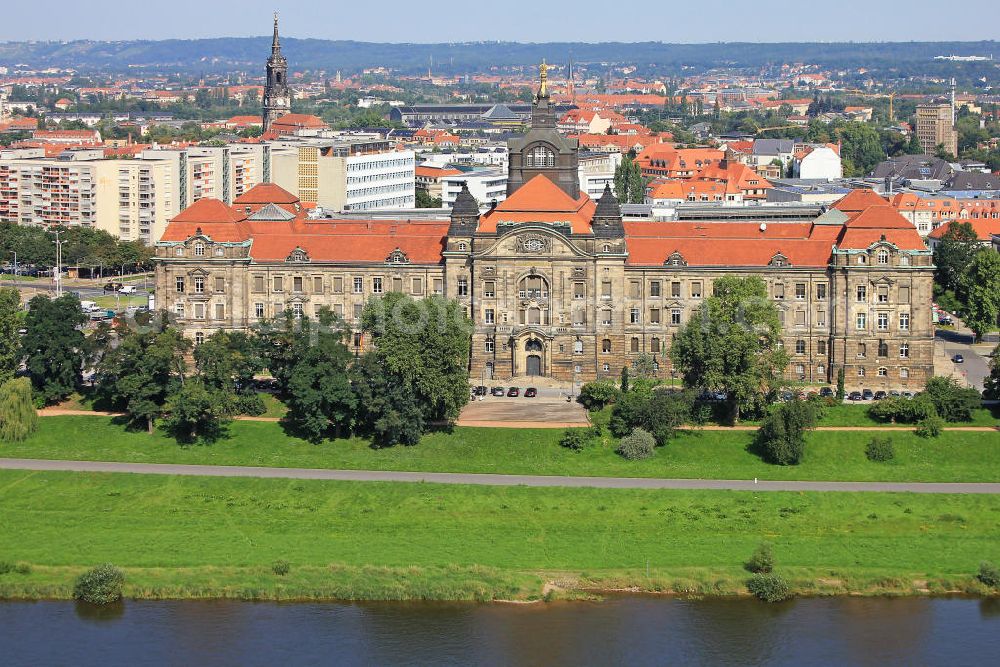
(297,255)
(675,259)
(533,243)
(779,260)
(397,256)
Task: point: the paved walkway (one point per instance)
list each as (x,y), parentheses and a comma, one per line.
(491,479)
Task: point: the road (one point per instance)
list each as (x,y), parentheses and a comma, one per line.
(85,292)
(491,479)
(959,340)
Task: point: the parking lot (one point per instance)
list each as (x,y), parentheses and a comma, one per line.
(549,409)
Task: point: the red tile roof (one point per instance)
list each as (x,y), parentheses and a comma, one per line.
(266,193)
(541,200)
(984,228)
(859,200)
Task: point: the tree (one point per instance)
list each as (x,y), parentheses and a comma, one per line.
(196,411)
(954,252)
(18,418)
(227,362)
(424,200)
(141,373)
(10,322)
(991,384)
(914,147)
(99,585)
(53,345)
(657,412)
(638,445)
(426,344)
(282,343)
(644,366)
(981,292)
(320,399)
(731,345)
(629,183)
(761,560)
(952,402)
(623,381)
(781,437)
(387,407)
(595,395)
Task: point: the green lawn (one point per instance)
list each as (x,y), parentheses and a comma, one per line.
(186,534)
(830,455)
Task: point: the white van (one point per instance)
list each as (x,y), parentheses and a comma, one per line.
(87,306)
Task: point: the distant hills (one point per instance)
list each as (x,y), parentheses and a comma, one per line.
(232,53)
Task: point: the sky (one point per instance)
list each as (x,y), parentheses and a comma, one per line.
(509,20)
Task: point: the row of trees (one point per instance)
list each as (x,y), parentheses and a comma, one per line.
(83,247)
(967,277)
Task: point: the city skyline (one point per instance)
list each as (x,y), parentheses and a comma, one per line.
(523,22)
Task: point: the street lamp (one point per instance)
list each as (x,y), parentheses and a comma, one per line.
(58,275)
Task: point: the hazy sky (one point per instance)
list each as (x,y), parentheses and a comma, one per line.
(511,20)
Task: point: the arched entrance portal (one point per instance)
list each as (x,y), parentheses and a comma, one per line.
(533,365)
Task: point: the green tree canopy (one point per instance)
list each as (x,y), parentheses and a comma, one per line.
(10,322)
(629,183)
(387,409)
(981,292)
(54,345)
(954,253)
(731,345)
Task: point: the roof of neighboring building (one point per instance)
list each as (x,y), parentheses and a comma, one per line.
(984,227)
(266,193)
(972,180)
(858,200)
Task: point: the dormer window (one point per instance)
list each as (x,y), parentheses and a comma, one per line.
(463,246)
(540,156)
(199,249)
(862,259)
(607,247)
(220,252)
(882,257)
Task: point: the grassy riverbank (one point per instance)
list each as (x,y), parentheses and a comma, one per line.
(830,455)
(212,537)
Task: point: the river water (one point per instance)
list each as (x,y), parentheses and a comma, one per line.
(627,630)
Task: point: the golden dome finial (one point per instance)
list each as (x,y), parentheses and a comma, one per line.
(543,76)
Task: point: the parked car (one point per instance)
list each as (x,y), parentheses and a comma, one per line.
(497,391)
(827,392)
(854,396)
(269,385)
(879,395)
(907,394)
(894,393)
(479,391)
(530,392)
(112,286)
(513,392)
(867,395)
(958,359)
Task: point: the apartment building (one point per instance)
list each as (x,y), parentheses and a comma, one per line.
(486,185)
(936,127)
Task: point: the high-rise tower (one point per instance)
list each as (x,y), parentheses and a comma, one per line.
(277,98)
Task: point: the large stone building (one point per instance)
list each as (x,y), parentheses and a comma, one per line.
(557,284)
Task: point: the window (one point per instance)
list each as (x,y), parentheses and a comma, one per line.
(357,340)
(883,321)
(821,318)
(821,371)
(199,249)
(579,317)
(904,321)
(579,291)
(357,310)
(862,259)
(199,285)
(882,294)
(199,337)
(463,286)
(489,316)
(633,316)
(821,291)
(297,284)
(359,285)
(821,347)
(539,156)
(258,283)
(904,294)
(904,260)
(800,318)
(606,345)
(675,289)
(861,371)
(489,289)
(377,285)
(220,311)
(904,351)
(438,285)
(490,346)
(179,309)
(179,283)
(606,367)
(279,283)
(220,251)
(634,345)
(779,291)
(800,346)
(606,289)
(179,252)
(675,316)
(220,284)
(861,321)
(800,290)
(578,347)
(883,372)
(258,310)
(800,370)
(606,317)
(338,285)
(862,294)
(199,311)
(463,246)
(882,257)
(696,290)
(862,350)
(654,345)
(633,289)
(883,349)
(654,315)
(904,373)
(317,285)
(417,286)
(654,288)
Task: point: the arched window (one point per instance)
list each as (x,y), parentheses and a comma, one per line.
(578,347)
(533,287)
(533,345)
(540,156)
(882,257)
(606,345)
(199,337)
(862,259)
(199,249)
(463,246)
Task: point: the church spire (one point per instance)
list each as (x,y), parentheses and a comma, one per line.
(277,96)
(275,42)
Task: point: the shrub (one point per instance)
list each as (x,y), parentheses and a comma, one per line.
(249,404)
(901,410)
(22,568)
(6,567)
(18,418)
(953,402)
(281,567)
(880,450)
(596,395)
(930,427)
(768,587)
(637,445)
(573,438)
(762,559)
(99,585)
(656,411)
(781,437)
(989,574)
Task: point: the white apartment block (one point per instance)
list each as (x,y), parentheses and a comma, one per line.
(486,185)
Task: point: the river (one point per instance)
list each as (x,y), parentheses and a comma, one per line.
(626,630)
